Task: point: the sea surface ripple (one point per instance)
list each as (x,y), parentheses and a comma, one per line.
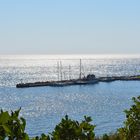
(43,107)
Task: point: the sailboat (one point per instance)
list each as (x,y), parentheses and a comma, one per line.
(89,79)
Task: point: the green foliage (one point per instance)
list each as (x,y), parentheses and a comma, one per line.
(110,137)
(12,127)
(131,130)
(69,129)
(43,137)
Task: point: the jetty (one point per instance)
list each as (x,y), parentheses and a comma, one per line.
(90,79)
(82,80)
(119,78)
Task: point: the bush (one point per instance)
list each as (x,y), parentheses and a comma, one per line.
(69,129)
(110,137)
(131,129)
(12,127)
(43,137)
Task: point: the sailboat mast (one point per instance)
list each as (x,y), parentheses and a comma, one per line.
(58,70)
(61,70)
(80,76)
(69,72)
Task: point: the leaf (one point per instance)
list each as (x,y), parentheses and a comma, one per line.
(23,123)
(25,136)
(7,129)
(4,117)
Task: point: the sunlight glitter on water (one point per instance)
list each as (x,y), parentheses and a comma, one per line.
(42,68)
(45,106)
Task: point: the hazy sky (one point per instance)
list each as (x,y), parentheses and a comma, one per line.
(69,26)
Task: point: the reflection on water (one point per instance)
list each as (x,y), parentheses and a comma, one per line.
(42,68)
(43,107)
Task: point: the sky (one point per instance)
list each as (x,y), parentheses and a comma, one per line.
(69,26)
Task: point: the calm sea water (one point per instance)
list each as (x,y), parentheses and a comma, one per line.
(43,107)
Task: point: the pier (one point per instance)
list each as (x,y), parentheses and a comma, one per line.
(82,80)
(90,79)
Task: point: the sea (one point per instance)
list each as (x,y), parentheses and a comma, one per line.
(44,107)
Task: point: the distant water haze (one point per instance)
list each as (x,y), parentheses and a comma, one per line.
(31,68)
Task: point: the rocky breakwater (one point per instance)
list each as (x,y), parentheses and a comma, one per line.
(120,78)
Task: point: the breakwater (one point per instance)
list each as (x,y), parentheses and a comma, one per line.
(82,81)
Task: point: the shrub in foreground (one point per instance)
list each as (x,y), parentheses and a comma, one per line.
(69,129)
(131,129)
(12,127)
